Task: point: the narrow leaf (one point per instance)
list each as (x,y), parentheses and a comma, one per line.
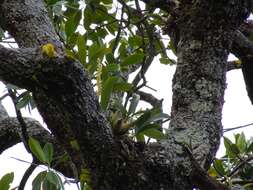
(219,167)
(241,143)
(48,152)
(134,102)
(72,23)
(107,88)
(81,44)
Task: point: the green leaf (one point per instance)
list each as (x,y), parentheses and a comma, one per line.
(72,40)
(146,127)
(172,47)
(241,143)
(250,148)
(55,179)
(38,180)
(149,116)
(133,59)
(135,41)
(134,103)
(48,185)
(72,23)
(231,149)
(51,2)
(167,61)
(158,117)
(81,44)
(218,165)
(140,137)
(142,120)
(107,88)
(96,51)
(212,172)
(6,180)
(154,133)
(110,59)
(107,1)
(57,8)
(48,152)
(24,100)
(122,87)
(1,33)
(36,149)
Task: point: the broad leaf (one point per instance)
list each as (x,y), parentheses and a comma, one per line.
(154,133)
(72,23)
(133,59)
(6,180)
(55,179)
(36,149)
(38,180)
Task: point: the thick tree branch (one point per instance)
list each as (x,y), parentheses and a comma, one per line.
(66,100)
(199,82)
(243,49)
(18,66)
(62,91)
(10,134)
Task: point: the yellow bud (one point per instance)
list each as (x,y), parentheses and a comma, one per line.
(48,50)
(238,63)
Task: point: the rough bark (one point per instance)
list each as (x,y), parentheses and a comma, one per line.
(66,100)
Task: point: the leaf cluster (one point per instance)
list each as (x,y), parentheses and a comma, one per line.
(236,166)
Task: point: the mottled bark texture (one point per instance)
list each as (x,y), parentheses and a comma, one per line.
(65,98)
(206,31)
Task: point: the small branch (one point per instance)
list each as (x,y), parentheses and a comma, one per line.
(17,66)
(150,99)
(242,46)
(239,127)
(117,39)
(26,175)
(200,177)
(25,138)
(165,5)
(24,133)
(242,163)
(232,65)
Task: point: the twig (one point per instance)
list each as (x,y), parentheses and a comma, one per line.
(239,127)
(24,133)
(232,65)
(150,99)
(239,166)
(24,138)
(117,39)
(200,177)
(26,175)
